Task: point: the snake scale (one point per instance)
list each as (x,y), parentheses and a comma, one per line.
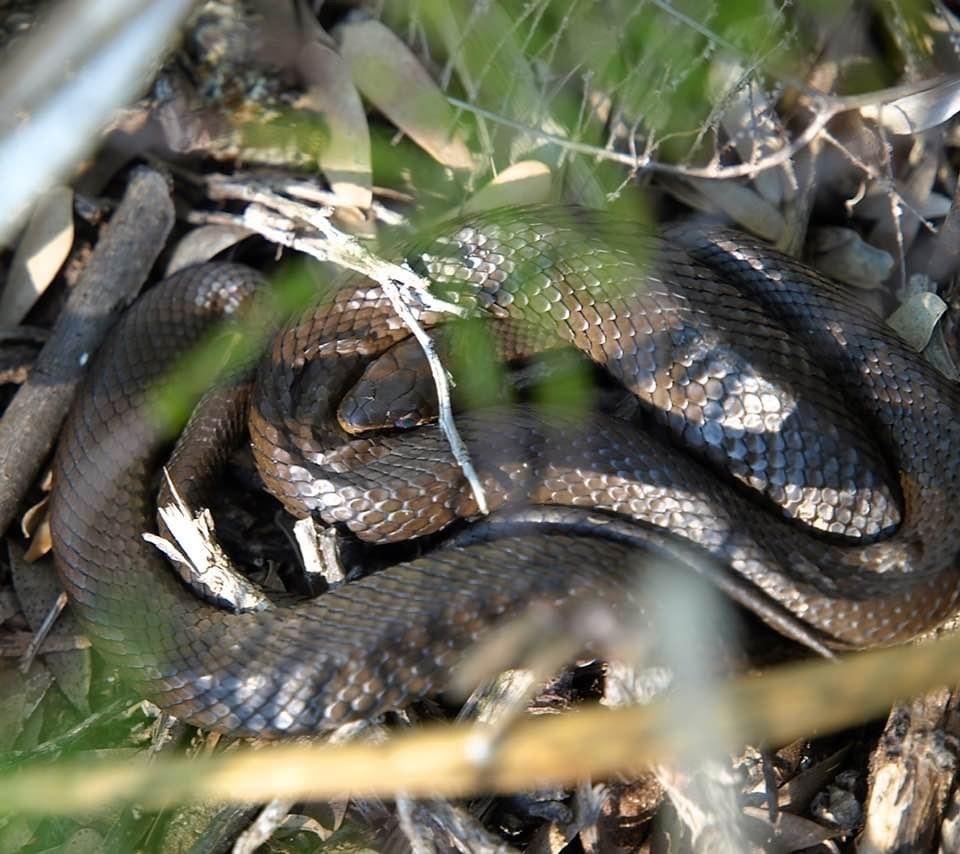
(789,438)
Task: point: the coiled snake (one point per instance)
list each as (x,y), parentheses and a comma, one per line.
(750,360)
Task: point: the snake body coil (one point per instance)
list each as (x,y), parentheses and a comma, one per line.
(823,480)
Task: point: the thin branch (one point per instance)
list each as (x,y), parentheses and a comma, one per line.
(784,704)
(644,163)
(824,107)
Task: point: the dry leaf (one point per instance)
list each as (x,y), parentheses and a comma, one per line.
(204,243)
(743,205)
(939,354)
(41,544)
(921,110)
(40,254)
(19,697)
(306,824)
(35,526)
(916,319)
(794,833)
(392,78)
(33,517)
(796,794)
(844,255)
(525,183)
(345,156)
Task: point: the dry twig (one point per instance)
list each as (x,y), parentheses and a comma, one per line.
(117,269)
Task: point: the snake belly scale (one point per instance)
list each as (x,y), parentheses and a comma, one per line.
(797,445)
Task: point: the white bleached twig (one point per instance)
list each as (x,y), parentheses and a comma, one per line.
(309,230)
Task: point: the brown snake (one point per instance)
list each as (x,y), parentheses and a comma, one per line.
(751,360)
